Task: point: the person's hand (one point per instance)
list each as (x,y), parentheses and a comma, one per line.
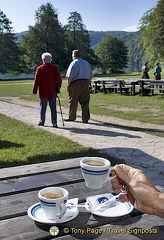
(141,192)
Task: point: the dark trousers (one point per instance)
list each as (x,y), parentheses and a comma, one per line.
(43,107)
(79,92)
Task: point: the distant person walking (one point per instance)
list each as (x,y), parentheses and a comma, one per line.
(145,70)
(157,72)
(46,78)
(79,74)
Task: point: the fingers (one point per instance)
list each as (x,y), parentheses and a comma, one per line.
(116,186)
(123,198)
(122,172)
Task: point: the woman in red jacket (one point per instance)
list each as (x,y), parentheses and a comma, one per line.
(46,78)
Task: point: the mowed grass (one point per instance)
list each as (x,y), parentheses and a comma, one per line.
(22,144)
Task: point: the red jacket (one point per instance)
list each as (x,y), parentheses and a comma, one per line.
(46,77)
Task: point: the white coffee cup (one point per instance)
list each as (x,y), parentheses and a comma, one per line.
(96,171)
(53,201)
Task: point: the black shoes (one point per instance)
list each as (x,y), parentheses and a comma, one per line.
(68,120)
(40,124)
(55,125)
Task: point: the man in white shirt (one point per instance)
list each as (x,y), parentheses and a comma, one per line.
(79,75)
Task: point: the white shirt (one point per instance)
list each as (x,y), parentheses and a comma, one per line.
(79,69)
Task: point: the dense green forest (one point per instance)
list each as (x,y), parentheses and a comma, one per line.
(132,41)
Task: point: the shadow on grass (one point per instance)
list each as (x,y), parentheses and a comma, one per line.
(58,156)
(7,144)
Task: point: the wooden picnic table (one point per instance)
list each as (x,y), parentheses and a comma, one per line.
(112,85)
(133,82)
(147,86)
(100,83)
(19,187)
(151,85)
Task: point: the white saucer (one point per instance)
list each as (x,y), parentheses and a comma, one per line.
(36,213)
(118,210)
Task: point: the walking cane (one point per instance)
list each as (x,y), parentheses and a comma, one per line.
(61,110)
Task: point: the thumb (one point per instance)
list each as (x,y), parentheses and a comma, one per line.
(122,173)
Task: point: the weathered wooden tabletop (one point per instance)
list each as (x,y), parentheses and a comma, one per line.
(19,187)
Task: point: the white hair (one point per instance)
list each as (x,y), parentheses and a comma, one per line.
(76,53)
(46,57)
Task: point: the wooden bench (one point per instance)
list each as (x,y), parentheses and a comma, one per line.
(96,86)
(125,88)
(104,85)
(117,86)
(147,87)
(156,85)
(110,85)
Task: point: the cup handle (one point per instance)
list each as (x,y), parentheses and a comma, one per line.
(109,178)
(62,208)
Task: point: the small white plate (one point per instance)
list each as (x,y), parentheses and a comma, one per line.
(118,210)
(36,213)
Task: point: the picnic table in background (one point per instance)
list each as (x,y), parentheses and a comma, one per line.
(133,82)
(149,86)
(111,85)
(128,86)
(19,188)
(104,84)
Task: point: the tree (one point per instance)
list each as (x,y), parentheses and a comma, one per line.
(9,52)
(78,38)
(153,31)
(46,36)
(112,53)
(136,51)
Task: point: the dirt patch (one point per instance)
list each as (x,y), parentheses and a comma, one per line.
(20,101)
(128,109)
(123,109)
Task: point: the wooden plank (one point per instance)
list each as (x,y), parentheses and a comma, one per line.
(109,84)
(31,169)
(23,227)
(142,227)
(17,204)
(40,180)
(115,228)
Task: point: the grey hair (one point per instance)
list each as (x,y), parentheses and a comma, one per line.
(76,53)
(46,57)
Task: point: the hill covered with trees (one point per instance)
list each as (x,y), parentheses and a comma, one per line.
(133,42)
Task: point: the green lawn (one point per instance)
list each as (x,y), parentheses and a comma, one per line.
(21,144)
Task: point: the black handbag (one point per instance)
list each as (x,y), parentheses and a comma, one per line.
(57,88)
